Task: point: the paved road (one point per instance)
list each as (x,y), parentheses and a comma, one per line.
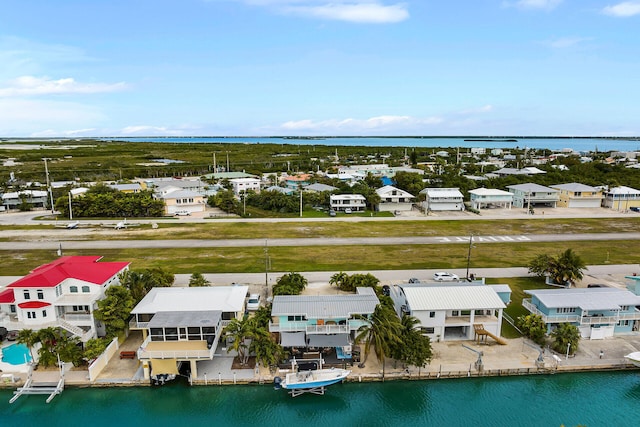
(53,244)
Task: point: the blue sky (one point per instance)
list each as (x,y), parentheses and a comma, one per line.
(73,68)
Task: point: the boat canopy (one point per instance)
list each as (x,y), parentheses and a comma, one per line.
(164,366)
(335,340)
(292,339)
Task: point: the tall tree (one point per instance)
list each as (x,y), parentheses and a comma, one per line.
(564,269)
(382,331)
(565,336)
(239,331)
(198,280)
(290,284)
(115,309)
(413,348)
(29,338)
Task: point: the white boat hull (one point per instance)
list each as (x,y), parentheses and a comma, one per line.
(314,379)
(634,358)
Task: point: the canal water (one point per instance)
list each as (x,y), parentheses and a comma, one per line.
(590,399)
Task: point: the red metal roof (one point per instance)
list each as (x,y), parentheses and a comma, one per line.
(33,304)
(6,297)
(85,268)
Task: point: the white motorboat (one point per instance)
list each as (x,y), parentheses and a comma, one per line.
(310,381)
(634,358)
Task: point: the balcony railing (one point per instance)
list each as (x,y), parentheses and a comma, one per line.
(77,317)
(582,319)
(351,325)
(143,353)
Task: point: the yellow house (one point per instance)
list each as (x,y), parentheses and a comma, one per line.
(576,195)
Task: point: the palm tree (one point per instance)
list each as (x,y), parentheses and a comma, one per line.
(567,268)
(382,331)
(29,338)
(239,331)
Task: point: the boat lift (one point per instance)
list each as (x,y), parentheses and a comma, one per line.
(31,387)
(479,365)
(540,359)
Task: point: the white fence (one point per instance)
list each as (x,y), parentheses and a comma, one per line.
(101,362)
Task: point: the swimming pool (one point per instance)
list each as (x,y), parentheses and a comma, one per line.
(15,354)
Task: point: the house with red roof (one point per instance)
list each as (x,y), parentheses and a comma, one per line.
(63,293)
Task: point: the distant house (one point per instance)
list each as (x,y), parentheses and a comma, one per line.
(576,195)
(443,199)
(355,202)
(621,198)
(295,182)
(183,201)
(184,325)
(63,293)
(490,198)
(597,312)
(449,312)
(533,195)
(321,320)
(319,188)
(127,188)
(283,190)
(242,185)
(531,170)
(32,198)
(394,199)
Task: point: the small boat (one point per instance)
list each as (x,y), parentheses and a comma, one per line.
(310,381)
(634,358)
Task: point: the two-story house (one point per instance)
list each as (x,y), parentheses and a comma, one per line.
(533,195)
(184,325)
(597,312)
(443,199)
(242,185)
(621,198)
(576,195)
(63,293)
(341,202)
(308,321)
(490,197)
(451,311)
(394,199)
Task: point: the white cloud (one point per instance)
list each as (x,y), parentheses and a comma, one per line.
(144,130)
(359,126)
(25,117)
(357,11)
(623,10)
(34,86)
(567,42)
(534,4)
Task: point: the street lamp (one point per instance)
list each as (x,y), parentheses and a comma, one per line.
(70,208)
(469,255)
(568,347)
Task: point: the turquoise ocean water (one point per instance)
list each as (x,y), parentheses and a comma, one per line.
(578,144)
(591,399)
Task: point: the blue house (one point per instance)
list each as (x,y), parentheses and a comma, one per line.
(321,321)
(597,312)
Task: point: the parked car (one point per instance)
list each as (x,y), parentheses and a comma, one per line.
(348,211)
(182,213)
(414,280)
(3,333)
(254,302)
(386,290)
(332,213)
(635,208)
(445,277)
(12,335)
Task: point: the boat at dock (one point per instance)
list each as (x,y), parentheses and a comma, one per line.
(634,358)
(313,381)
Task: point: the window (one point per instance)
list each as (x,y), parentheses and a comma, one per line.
(73,289)
(44,313)
(427,330)
(297,318)
(58,290)
(624,308)
(432,314)
(563,310)
(85,289)
(27,295)
(31,314)
(455,313)
(12,308)
(623,323)
(40,294)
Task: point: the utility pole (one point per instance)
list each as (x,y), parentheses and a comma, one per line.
(46,171)
(227,162)
(266,266)
(70,208)
(469,255)
(300,190)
